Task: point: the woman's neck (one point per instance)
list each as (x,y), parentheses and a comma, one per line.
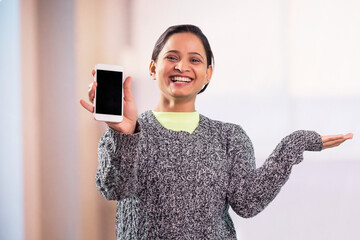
(175,105)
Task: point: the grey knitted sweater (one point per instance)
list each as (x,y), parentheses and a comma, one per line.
(177,185)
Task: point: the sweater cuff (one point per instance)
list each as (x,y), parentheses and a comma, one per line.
(114,132)
(313,141)
(123,141)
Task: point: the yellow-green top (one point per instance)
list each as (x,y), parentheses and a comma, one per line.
(178,121)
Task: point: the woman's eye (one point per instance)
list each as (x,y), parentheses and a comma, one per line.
(171,58)
(195,60)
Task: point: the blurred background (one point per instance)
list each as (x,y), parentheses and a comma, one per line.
(280,66)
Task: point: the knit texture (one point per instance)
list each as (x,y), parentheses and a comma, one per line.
(177,185)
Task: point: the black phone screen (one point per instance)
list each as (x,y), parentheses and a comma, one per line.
(108,92)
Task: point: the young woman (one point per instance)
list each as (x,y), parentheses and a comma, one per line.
(175,172)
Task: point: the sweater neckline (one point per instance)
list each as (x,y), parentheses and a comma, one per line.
(199,130)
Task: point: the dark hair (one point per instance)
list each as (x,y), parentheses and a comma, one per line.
(187,28)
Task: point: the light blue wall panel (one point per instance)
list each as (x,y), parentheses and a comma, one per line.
(11,164)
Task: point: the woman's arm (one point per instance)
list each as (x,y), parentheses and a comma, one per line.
(116,176)
(251,189)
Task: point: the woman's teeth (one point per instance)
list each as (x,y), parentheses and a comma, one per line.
(180,79)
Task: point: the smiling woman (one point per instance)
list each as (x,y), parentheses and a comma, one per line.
(181,71)
(173,169)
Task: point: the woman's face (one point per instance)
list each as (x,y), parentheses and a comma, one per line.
(181,68)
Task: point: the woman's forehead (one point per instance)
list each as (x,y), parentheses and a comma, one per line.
(184,43)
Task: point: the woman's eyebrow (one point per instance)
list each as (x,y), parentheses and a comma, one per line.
(177,52)
(172,51)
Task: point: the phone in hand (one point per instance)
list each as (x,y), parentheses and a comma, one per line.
(108,100)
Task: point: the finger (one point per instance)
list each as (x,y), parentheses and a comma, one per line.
(93,72)
(92,92)
(349,136)
(91,86)
(330,143)
(87,106)
(331,146)
(332,137)
(127,89)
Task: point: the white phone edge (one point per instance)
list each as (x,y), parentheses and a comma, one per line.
(109,117)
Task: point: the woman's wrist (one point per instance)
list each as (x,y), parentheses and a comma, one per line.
(125,128)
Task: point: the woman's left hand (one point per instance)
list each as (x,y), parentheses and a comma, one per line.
(335,140)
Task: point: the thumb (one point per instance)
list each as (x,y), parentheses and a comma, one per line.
(127,89)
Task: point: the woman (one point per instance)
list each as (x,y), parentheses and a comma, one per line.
(175,172)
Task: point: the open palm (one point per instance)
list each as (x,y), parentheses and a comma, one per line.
(335,140)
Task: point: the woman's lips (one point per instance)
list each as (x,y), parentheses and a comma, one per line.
(180,83)
(180,79)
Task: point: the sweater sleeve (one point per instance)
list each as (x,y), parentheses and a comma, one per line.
(252,189)
(116,176)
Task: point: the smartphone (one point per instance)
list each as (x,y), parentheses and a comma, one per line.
(109,93)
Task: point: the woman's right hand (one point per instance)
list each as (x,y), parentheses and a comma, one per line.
(130,114)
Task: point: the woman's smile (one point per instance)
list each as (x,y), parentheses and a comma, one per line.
(180,79)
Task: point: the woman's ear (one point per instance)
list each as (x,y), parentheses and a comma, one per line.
(209,72)
(152,69)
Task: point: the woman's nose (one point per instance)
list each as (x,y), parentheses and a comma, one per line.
(182,66)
